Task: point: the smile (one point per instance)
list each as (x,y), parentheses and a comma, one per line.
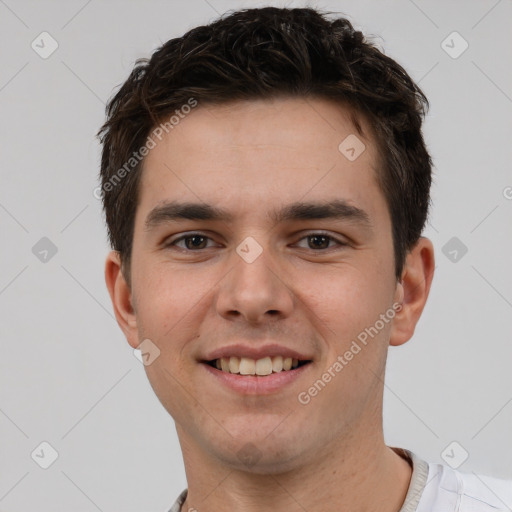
(260,367)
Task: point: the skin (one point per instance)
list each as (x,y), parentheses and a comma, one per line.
(252,157)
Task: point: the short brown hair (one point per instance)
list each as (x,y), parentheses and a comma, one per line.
(260,54)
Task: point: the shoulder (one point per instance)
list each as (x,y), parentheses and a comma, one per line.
(450,490)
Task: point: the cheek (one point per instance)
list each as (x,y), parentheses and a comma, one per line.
(342,301)
(168,298)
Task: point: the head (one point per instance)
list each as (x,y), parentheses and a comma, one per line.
(285,128)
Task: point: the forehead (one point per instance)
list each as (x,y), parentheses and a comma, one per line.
(296,124)
(262,151)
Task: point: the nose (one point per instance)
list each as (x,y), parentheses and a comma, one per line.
(256,291)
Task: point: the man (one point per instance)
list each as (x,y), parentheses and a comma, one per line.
(265,184)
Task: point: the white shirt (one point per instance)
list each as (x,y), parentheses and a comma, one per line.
(439,488)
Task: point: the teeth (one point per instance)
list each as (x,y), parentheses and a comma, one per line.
(264,366)
(234,364)
(277,363)
(224,364)
(248,366)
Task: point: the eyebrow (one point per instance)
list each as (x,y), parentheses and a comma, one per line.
(337,209)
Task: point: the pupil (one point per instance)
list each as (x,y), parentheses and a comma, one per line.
(316,238)
(191,244)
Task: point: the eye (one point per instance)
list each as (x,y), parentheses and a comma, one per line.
(321,241)
(191,242)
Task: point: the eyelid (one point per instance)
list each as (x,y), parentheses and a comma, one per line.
(339,240)
(189,234)
(171,242)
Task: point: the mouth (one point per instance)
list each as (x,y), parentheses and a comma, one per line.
(263,367)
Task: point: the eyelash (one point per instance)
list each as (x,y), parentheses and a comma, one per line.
(312,234)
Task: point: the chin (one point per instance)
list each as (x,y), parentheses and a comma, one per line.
(263,456)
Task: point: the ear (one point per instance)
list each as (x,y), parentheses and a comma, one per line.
(121,297)
(414,288)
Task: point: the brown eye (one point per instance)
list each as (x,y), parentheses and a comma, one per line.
(190,242)
(319,241)
(195,242)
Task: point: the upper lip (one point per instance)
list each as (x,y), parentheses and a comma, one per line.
(240,350)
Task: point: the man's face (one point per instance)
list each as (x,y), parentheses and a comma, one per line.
(310,296)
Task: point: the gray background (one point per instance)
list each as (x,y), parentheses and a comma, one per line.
(68,376)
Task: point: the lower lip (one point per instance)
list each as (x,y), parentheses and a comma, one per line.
(255,384)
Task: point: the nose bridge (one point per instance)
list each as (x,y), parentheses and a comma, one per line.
(253,288)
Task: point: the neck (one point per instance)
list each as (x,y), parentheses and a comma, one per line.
(347,475)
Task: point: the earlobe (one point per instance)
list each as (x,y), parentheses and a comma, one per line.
(121,297)
(413,289)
